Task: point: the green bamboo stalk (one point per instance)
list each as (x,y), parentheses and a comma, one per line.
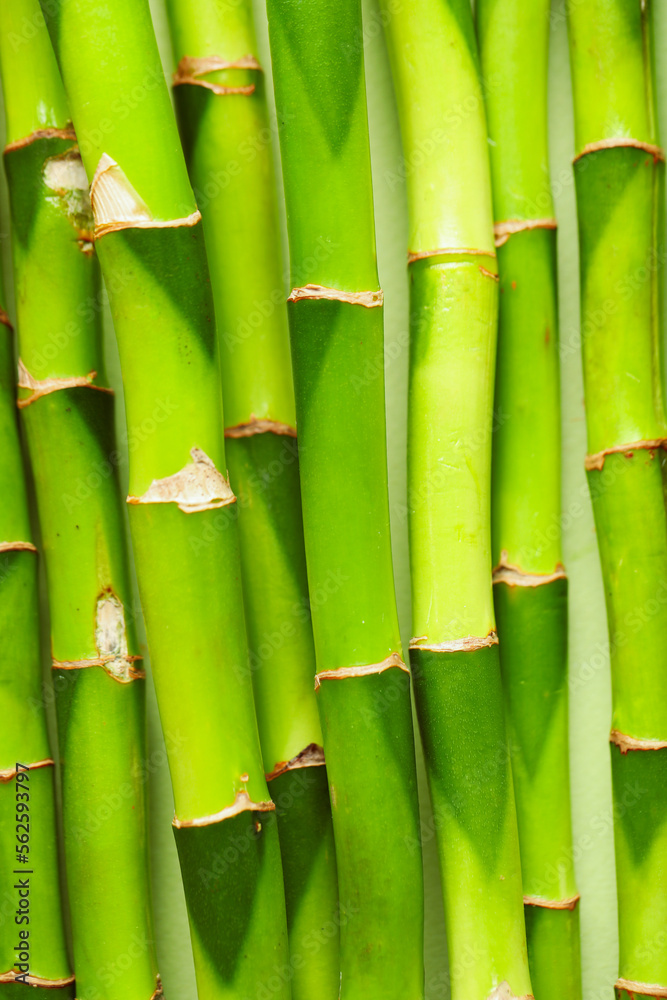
(619,176)
(336,330)
(530,583)
(221,104)
(68,418)
(454,293)
(151,250)
(29,852)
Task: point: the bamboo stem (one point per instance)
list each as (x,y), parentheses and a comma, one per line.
(221,104)
(69,427)
(336,330)
(182,511)
(530,583)
(29,852)
(619,176)
(454,293)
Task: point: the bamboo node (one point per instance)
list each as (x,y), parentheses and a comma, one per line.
(414,255)
(503,991)
(110,642)
(44,386)
(5,320)
(9,773)
(626,743)
(552,904)
(595,462)
(49,984)
(371,300)
(514,576)
(116,205)
(620,142)
(242,803)
(158,992)
(342,673)
(41,133)
(508,227)
(466,644)
(17,547)
(191,69)
(197,487)
(259,425)
(643,989)
(310,756)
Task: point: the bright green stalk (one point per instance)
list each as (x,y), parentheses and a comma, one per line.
(530,583)
(619,175)
(454,301)
(151,251)
(68,417)
(28,852)
(224,125)
(336,330)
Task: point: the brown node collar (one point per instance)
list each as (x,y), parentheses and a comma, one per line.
(191,69)
(9,773)
(364,670)
(44,386)
(370,300)
(242,803)
(311,756)
(41,133)
(503,230)
(514,576)
(17,547)
(642,989)
(258,425)
(626,743)
(414,255)
(5,320)
(596,461)
(197,487)
(552,904)
(131,672)
(48,984)
(466,644)
(618,143)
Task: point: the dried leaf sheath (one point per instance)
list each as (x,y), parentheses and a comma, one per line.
(150,246)
(219,95)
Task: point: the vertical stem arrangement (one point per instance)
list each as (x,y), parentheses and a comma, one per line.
(530,586)
(149,239)
(221,103)
(619,176)
(33,951)
(68,416)
(335,313)
(454,293)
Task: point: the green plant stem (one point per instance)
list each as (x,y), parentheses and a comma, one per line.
(619,176)
(29,852)
(150,244)
(454,293)
(68,417)
(336,330)
(530,585)
(227,139)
